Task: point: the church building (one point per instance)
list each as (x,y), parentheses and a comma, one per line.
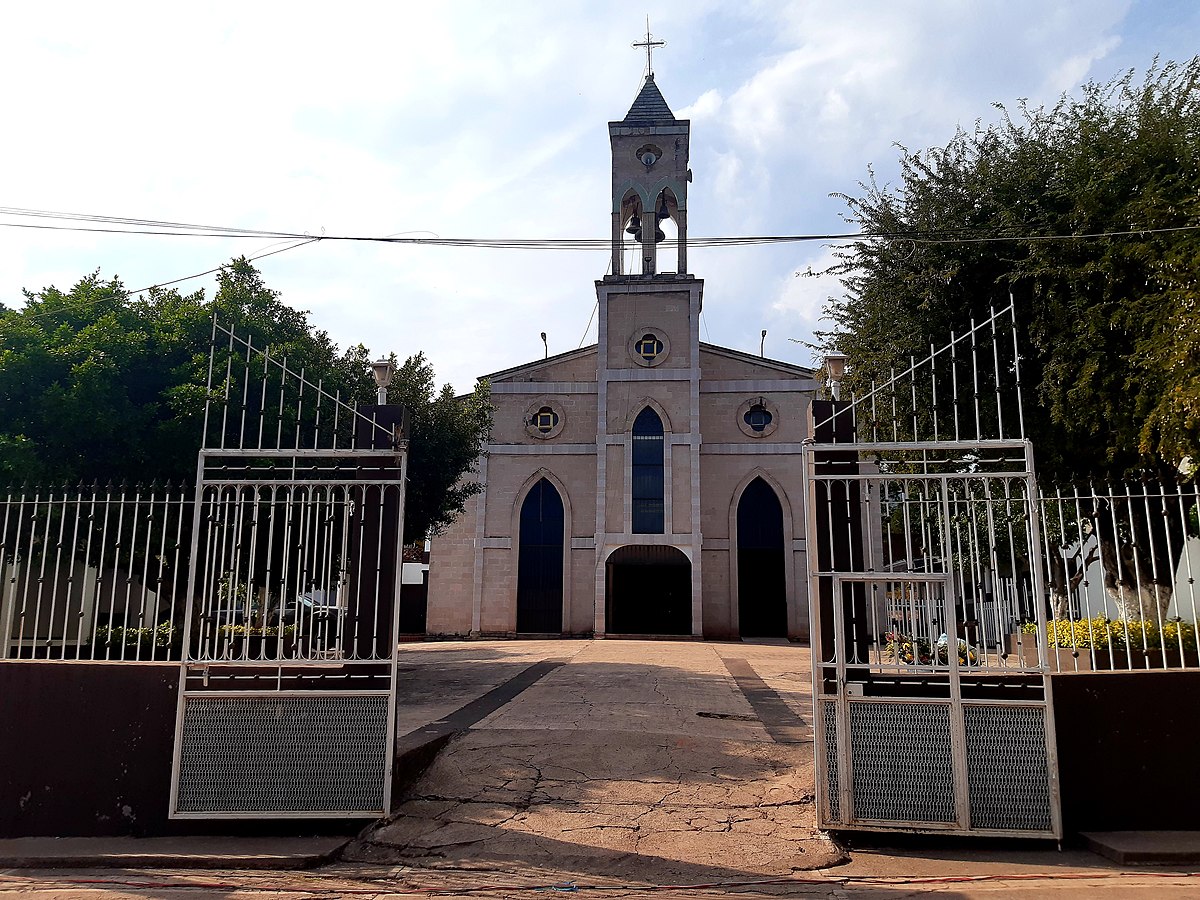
(649,484)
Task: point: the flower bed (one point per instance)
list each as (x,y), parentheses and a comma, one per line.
(1102,643)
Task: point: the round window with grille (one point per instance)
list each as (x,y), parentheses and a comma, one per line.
(649,345)
(543,419)
(758,417)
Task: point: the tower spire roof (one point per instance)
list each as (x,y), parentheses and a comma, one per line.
(649,108)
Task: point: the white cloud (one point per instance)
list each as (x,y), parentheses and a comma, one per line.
(800,297)
(707,105)
(468,120)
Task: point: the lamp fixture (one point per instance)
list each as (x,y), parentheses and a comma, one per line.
(382,370)
(835,369)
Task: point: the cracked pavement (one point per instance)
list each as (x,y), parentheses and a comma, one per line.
(642,759)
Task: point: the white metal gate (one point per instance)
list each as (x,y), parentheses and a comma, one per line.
(929,715)
(288,678)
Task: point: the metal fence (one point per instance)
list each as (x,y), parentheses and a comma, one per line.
(1121,563)
(94,573)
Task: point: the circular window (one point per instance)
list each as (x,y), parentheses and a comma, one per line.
(649,154)
(758,417)
(543,419)
(649,346)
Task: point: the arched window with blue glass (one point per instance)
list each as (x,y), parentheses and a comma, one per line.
(648,482)
(540,561)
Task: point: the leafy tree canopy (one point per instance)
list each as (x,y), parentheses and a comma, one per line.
(1110,325)
(96,385)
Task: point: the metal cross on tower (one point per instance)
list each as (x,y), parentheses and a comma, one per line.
(649,43)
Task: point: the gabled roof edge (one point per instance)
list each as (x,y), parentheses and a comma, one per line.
(742,356)
(540,363)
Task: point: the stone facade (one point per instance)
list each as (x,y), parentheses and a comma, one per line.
(565,426)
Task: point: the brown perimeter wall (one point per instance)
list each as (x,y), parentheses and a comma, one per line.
(85,751)
(1129,750)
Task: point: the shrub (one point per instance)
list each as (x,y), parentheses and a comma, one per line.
(253,631)
(1119,634)
(161,635)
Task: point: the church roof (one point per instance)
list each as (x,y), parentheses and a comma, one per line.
(530,368)
(756,360)
(649,108)
(528,371)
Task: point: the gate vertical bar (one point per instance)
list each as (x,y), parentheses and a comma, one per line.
(1039,579)
(958,741)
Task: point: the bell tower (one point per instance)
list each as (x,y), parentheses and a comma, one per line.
(649,546)
(650,177)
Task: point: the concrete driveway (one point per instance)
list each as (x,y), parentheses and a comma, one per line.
(676,761)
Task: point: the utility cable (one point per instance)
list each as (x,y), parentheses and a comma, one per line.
(218,268)
(161,284)
(588,327)
(150,227)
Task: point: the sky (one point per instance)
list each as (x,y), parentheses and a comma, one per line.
(487,120)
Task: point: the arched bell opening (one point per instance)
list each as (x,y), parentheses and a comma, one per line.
(540,561)
(632,218)
(648,590)
(666,212)
(761,563)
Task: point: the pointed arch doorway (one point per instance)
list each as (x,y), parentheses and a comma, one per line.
(540,561)
(761,561)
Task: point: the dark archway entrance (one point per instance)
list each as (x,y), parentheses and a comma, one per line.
(762,584)
(540,563)
(649,591)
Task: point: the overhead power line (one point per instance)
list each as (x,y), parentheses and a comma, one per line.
(151,227)
(162,284)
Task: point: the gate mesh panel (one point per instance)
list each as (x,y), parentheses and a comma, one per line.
(902,762)
(283,754)
(833,799)
(1007,767)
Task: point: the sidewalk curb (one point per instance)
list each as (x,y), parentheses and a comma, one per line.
(135,859)
(1146,848)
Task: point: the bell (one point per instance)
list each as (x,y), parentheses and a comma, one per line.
(658,235)
(663,212)
(635,226)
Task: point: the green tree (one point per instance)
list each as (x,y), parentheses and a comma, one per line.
(1110,325)
(1109,319)
(96,385)
(448,434)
